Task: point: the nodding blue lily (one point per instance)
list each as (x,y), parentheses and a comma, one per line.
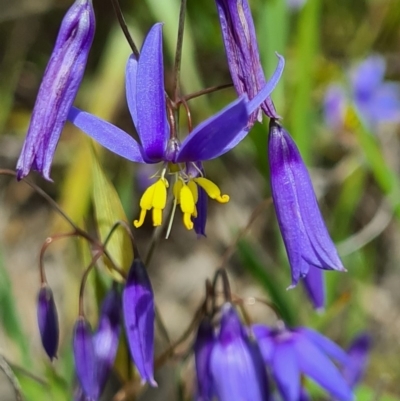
(159,143)
(58,89)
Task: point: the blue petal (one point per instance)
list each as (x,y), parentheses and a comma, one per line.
(385,104)
(313,363)
(334,105)
(263,335)
(209,138)
(286,371)
(314,283)
(108,135)
(130,86)
(152,125)
(326,345)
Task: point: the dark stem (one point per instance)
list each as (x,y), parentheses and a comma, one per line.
(188,114)
(178,53)
(124,27)
(202,92)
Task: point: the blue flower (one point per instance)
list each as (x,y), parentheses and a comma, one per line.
(306,238)
(239,36)
(376,100)
(159,142)
(290,353)
(58,89)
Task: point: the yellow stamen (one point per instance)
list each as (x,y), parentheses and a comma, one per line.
(187,206)
(212,190)
(177,190)
(155,197)
(193,188)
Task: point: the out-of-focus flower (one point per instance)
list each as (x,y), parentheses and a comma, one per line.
(376,100)
(241,49)
(58,89)
(202,352)
(48,321)
(159,143)
(306,238)
(290,353)
(295,4)
(236,364)
(358,352)
(314,283)
(85,359)
(138,310)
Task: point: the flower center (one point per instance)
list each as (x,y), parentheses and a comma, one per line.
(185,192)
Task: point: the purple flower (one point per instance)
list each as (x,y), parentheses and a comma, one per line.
(58,89)
(48,321)
(202,351)
(358,353)
(290,353)
(85,359)
(376,101)
(236,364)
(241,49)
(138,310)
(159,143)
(306,238)
(314,284)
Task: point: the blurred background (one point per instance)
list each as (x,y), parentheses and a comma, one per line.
(339,97)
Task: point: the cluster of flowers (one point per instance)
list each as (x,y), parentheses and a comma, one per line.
(230,364)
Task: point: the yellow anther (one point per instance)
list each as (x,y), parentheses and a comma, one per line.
(155,197)
(187,206)
(193,188)
(177,190)
(212,190)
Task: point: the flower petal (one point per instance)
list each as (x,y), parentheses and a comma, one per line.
(263,335)
(314,283)
(107,134)
(207,140)
(130,86)
(385,104)
(139,315)
(318,367)
(286,371)
(334,106)
(152,125)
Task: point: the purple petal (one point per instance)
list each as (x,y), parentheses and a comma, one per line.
(48,321)
(152,125)
(334,105)
(358,353)
(265,341)
(286,371)
(314,283)
(385,104)
(303,230)
(58,89)
(85,359)
(138,310)
(237,374)
(199,222)
(325,344)
(209,138)
(130,86)
(106,338)
(108,135)
(241,48)
(202,352)
(367,77)
(313,363)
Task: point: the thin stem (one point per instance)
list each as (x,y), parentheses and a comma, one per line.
(202,92)
(188,114)
(178,53)
(171,118)
(124,27)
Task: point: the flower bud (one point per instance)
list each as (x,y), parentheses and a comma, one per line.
(85,358)
(48,321)
(139,315)
(58,89)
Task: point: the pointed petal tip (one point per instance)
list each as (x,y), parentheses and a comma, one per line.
(150,380)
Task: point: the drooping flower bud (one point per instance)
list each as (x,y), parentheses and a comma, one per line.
(48,321)
(105,339)
(139,315)
(85,359)
(236,364)
(304,233)
(58,89)
(202,352)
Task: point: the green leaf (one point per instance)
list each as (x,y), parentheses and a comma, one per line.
(108,210)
